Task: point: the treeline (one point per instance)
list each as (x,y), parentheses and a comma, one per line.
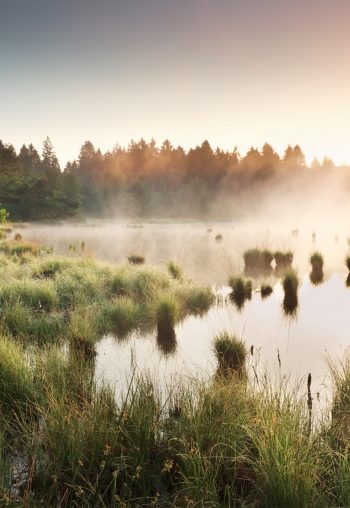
(146,180)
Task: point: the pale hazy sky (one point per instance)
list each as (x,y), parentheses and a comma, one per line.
(235,72)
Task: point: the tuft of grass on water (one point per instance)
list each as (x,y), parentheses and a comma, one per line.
(174,270)
(231,354)
(167,314)
(256,260)
(241,290)
(197,300)
(136,259)
(316,260)
(316,275)
(290,285)
(347,262)
(283,260)
(265,290)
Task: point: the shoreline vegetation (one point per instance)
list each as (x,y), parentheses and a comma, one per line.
(146,180)
(68,440)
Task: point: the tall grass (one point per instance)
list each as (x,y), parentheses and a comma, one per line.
(220,443)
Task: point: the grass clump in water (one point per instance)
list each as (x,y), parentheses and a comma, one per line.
(283,260)
(174,270)
(197,300)
(241,290)
(167,314)
(136,259)
(290,285)
(316,275)
(231,354)
(266,290)
(257,260)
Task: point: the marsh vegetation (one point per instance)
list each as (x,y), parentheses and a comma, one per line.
(235,438)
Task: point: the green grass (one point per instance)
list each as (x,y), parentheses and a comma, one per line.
(56,298)
(174,270)
(219,443)
(231,354)
(241,290)
(316,260)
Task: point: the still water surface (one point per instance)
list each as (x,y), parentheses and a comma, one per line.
(320,329)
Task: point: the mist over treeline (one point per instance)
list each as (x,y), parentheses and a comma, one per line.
(144,180)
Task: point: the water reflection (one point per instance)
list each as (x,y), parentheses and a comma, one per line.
(166,341)
(316,277)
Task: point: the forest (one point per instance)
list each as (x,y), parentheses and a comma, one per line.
(150,181)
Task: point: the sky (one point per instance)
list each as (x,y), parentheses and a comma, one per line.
(235,72)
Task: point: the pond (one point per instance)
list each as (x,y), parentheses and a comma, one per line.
(291,346)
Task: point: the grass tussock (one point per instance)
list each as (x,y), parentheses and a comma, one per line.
(316,274)
(290,285)
(283,260)
(265,290)
(316,261)
(258,260)
(136,259)
(241,290)
(174,270)
(231,354)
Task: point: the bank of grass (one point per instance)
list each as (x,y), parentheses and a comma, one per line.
(220,443)
(51,298)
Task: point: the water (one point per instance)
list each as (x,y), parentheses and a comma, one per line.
(282,345)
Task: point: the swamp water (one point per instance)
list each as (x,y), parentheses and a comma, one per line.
(282,345)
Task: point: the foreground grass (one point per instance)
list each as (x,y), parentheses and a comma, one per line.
(78,443)
(222,443)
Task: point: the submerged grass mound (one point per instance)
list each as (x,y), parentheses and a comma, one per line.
(231,354)
(316,260)
(258,260)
